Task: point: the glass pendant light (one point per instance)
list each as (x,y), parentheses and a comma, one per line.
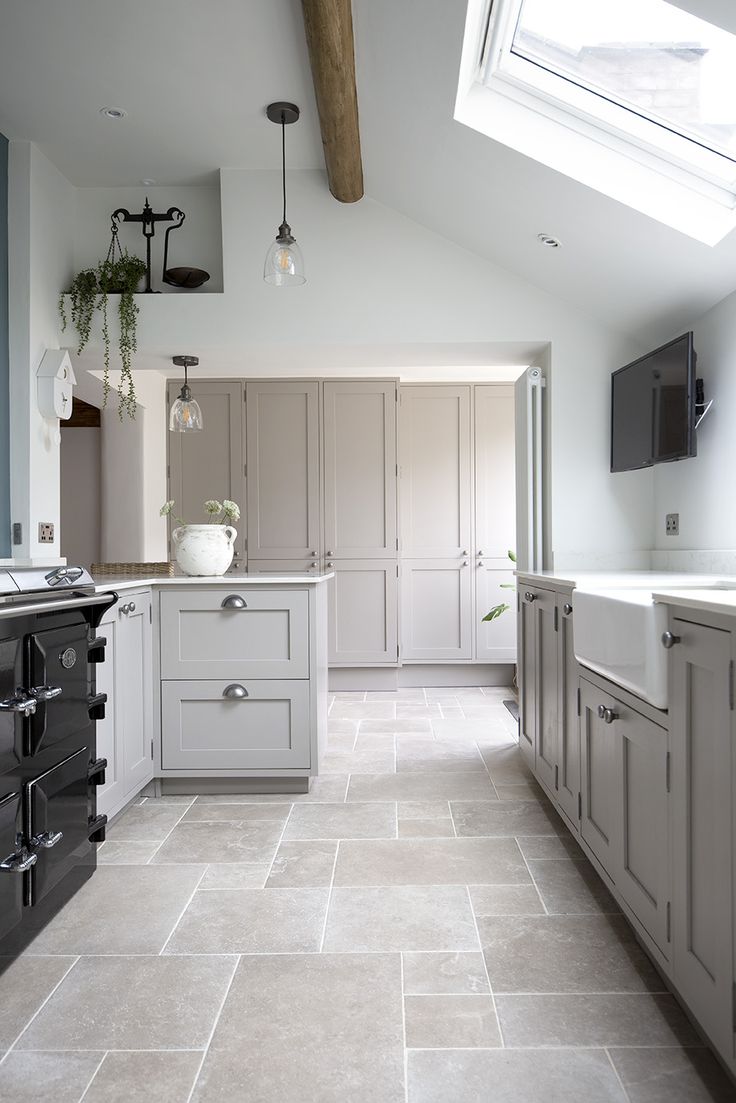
(284,266)
(185,415)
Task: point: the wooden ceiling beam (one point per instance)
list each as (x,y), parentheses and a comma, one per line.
(329,29)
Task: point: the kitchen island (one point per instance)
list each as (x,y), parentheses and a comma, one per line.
(216,685)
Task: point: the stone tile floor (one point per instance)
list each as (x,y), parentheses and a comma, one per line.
(419,928)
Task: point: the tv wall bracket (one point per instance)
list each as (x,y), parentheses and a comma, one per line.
(701,406)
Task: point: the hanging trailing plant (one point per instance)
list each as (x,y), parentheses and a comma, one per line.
(119,274)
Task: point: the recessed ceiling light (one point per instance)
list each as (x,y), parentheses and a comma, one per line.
(549,241)
(113,112)
(148,181)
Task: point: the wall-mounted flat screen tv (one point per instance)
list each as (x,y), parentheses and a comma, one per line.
(653,407)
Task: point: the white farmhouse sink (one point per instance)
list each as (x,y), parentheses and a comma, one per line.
(618,633)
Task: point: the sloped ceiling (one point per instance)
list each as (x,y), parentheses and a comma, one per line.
(195,78)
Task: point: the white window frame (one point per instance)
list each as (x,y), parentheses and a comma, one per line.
(609,147)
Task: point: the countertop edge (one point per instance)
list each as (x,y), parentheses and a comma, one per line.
(232,580)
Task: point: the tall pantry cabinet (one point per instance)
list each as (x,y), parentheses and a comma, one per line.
(457,521)
(406,493)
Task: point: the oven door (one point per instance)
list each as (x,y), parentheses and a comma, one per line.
(57,813)
(12,723)
(11,863)
(58,662)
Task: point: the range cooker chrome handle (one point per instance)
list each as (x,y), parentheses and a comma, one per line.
(19,702)
(71,602)
(234,601)
(235,692)
(19,863)
(47,839)
(45,693)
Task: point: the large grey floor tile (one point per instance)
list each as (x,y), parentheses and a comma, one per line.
(406,918)
(419,724)
(564,953)
(46,1077)
(422,755)
(121,910)
(342,821)
(505,817)
(237,813)
(512,1076)
(505,763)
(235,875)
(610,1020)
(24,984)
(320,789)
(303,865)
(149,822)
(433,785)
(364,761)
(550,848)
(426,829)
(445,974)
(140,1077)
(309,1029)
(126,852)
(363,710)
(431,862)
(251,921)
(672,1076)
(451,1022)
(133,1003)
(253,841)
(476,730)
(519,790)
(571,887)
(506,900)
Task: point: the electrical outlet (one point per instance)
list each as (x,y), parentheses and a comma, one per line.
(672,524)
(17,533)
(45,532)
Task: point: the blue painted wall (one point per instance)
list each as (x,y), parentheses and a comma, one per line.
(4,367)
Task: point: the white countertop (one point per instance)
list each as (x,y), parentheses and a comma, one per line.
(624,580)
(231,580)
(708,599)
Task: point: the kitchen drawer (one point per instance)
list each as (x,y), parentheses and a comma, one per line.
(265,637)
(202,729)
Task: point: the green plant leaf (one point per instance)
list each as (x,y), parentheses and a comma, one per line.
(497,611)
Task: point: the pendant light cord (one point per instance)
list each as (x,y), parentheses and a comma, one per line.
(283,161)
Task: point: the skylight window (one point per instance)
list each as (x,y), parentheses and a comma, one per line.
(636,98)
(651,58)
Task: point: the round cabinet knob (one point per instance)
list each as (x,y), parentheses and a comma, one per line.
(465,563)
(607,715)
(313,554)
(480,553)
(463,553)
(567,609)
(529,596)
(131,607)
(235,692)
(330,565)
(234,601)
(329,553)
(124,609)
(668,640)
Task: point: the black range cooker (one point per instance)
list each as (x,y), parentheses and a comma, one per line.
(49,769)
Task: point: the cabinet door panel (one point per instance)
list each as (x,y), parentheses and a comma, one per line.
(282,436)
(495,640)
(203,730)
(527,677)
(436,610)
(135,659)
(568,790)
(362,602)
(109,730)
(436,491)
(495,471)
(546,690)
(601,790)
(702,797)
(209,463)
(644,875)
(360,470)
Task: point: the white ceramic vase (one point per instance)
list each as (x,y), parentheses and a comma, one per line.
(204,549)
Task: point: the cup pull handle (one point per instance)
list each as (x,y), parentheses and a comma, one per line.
(235,692)
(234,601)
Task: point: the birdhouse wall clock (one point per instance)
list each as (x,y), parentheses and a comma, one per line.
(56,381)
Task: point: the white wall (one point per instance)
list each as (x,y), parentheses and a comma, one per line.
(376,277)
(701,489)
(40,249)
(196,244)
(80,494)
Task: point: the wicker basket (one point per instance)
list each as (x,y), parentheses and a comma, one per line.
(131,570)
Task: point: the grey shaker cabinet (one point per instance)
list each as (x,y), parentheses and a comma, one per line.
(703,828)
(539,730)
(568,774)
(283,470)
(436,608)
(360,470)
(625,805)
(125,736)
(209,463)
(363,612)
